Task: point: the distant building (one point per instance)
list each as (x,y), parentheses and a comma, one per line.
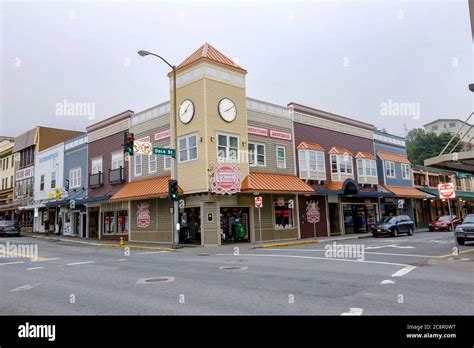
(7,172)
(452,125)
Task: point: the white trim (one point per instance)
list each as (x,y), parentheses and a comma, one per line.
(234,135)
(403,172)
(338,175)
(394,171)
(256,154)
(78,177)
(150,161)
(364,178)
(116,154)
(187,137)
(96,160)
(135,173)
(307,174)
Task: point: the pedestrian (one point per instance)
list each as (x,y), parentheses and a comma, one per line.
(46,226)
(60,226)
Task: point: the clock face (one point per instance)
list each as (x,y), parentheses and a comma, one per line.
(227,110)
(186,111)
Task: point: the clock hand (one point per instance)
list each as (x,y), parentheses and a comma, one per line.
(229,109)
(186,109)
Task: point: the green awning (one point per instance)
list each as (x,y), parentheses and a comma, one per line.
(459,194)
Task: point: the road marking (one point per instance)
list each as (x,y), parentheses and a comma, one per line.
(365,252)
(387,281)
(26,287)
(122,260)
(460,252)
(11,263)
(391,246)
(151,252)
(32,268)
(354,311)
(403,271)
(55,258)
(323,258)
(79,263)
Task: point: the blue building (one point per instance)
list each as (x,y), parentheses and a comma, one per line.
(395,175)
(71,211)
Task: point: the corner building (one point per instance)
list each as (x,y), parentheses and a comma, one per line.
(231,149)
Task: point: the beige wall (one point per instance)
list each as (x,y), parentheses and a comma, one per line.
(160,222)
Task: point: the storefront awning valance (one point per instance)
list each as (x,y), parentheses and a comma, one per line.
(148,188)
(269,182)
(32,206)
(350,187)
(405,192)
(306,145)
(459,194)
(388,156)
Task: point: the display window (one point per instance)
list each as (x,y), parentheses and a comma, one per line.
(283,213)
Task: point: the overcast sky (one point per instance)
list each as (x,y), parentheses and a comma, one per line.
(348,57)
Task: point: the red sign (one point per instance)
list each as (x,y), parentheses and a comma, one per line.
(257,131)
(143,215)
(258,202)
(163,135)
(312,212)
(225,178)
(446,191)
(280,135)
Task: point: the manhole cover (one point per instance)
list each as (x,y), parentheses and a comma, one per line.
(234,268)
(155,280)
(203,254)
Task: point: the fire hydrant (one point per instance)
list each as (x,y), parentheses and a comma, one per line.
(122,242)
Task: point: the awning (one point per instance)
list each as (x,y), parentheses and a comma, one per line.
(33,206)
(362,154)
(350,187)
(65,201)
(434,192)
(9,206)
(269,182)
(149,188)
(405,191)
(340,151)
(388,156)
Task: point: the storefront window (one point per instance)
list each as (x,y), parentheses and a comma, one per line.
(109,222)
(122,221)
(283,212)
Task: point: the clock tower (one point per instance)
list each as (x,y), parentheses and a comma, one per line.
(212,117)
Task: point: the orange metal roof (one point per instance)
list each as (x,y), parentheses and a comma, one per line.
(333,185)
(388,156)
(266,182)
(340,151)
(362,154)
(310,146)
(207,51)
(405,191)
(154,187)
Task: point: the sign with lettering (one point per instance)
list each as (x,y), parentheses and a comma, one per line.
(312,212)
(280,135)
(143,215)
(258,202)
(257,131)
(446,190)
(164,151)
(24,173)
(225,178)
(163,134)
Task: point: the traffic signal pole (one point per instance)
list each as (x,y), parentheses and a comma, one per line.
(176,226)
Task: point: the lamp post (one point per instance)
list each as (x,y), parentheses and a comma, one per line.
(175,237)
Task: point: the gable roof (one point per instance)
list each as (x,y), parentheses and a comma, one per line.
(309,146)
(388,156)
(340,151)
(208,52)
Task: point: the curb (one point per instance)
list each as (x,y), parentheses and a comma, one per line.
(274,245)
(106,245)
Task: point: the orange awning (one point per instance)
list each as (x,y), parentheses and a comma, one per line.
(362,154)
(340,151)
(310,146)
(405,191)
(154,187)
(388,156)
(267,182)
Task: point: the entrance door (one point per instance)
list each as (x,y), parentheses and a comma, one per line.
(190,230)
(235,225)
(83,224)
(334,219)
(93,224)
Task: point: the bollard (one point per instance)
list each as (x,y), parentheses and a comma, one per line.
(122,242)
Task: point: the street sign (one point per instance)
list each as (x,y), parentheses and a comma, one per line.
(164,151)
(258,202)
(446,191)
(143,148)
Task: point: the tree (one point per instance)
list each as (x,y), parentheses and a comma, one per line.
(422,145)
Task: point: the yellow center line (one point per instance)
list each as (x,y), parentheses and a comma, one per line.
(452,254)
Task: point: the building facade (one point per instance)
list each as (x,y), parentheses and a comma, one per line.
(7,173)
(107,173)
(452,126)
(231,149)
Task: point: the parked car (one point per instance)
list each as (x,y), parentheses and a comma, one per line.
(8,228)
(393,225)
(443,223)
(465,231)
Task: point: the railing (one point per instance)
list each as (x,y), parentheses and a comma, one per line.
(116,175)
(95,180)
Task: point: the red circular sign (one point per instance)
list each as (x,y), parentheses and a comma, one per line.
(446,190)
(258,202)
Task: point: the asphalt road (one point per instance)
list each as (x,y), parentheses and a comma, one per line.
(415,275)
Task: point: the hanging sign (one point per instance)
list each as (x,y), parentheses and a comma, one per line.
(163,134)
(280,135)
(143,215)
(225,178)
(257,131)
(312,212)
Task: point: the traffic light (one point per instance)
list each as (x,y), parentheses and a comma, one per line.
(128,143)
(173,190)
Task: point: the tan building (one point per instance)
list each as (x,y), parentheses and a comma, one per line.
(452,125)
(7,173)
(231,149)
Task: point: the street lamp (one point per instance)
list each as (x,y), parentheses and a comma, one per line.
(175,237)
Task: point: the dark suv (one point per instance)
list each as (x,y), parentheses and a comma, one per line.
(465,231)
(8,228)
(393,225)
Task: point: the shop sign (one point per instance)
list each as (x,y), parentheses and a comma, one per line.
(280,135)
(313,214)
(225,178)
(143,215)
(446,191)
(257,131)
(258,202)
(163,135)
(24,173)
